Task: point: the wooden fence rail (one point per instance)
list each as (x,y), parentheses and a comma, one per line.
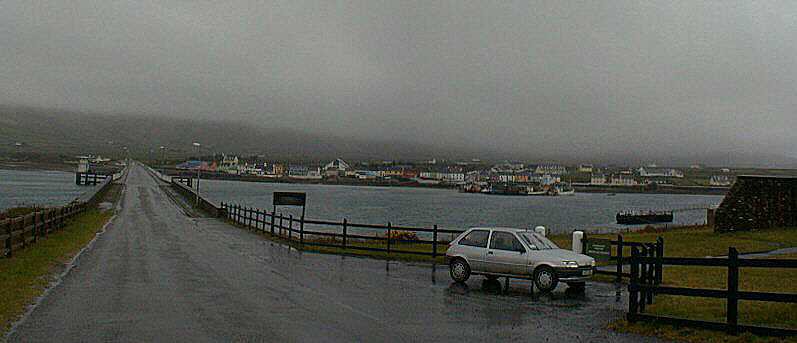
(340,235)
(642,289)
(617,255)
(22,231)
(19,232)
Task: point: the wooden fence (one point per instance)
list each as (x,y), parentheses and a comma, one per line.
(615,253)
(644,286)
(338,233)
(22,231)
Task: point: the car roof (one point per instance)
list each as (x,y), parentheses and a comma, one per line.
(508,229)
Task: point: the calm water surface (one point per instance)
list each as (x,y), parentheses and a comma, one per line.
(35,187)
(451,209)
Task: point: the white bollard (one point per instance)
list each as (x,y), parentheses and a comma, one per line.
(541,230)
(578,236)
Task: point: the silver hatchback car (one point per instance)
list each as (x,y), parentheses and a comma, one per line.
(516,253)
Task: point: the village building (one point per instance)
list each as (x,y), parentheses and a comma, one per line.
(623,180)
(597,179)
(229,165)
(721,180)
(551,169)
(659,172)
(338,167)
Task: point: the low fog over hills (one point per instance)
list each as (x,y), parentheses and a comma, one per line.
(49,133)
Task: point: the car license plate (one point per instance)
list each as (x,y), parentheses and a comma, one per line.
(586,272)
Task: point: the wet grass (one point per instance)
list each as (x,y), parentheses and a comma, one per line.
(368,244)
(757,313)
(701,241)
(25,276)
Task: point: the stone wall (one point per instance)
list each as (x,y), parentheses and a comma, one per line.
(758,202)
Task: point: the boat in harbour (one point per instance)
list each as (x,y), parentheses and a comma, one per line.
(644,217)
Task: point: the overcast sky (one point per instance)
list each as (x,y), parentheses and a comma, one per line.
(546,78)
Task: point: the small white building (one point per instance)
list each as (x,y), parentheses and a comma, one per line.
(656,172)
(721,180)
(338,167)
(229,165)
(623,180)
(597,179)
(552,169)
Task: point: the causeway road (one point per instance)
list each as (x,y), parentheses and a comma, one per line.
(159,274)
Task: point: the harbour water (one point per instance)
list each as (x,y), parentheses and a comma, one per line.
(36,187)
(425,207)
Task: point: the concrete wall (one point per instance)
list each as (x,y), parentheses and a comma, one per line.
(758,202)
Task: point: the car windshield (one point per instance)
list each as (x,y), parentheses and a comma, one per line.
(538,240)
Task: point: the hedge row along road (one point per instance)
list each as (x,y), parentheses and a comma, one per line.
(159,275)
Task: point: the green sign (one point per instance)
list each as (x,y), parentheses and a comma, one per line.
(599,249)
(289,199)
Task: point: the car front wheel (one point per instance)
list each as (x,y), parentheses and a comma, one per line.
(545,279)
(460,270)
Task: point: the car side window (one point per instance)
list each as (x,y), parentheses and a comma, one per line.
(476,238)
(505,241)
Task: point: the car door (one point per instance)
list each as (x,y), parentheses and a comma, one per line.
(474,247)
(506,255)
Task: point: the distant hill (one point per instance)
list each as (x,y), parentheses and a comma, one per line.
(45,133)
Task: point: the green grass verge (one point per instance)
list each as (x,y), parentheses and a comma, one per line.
(701,241)
(769,314)
(25,276)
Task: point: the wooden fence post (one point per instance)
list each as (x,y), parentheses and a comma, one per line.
(301,230)
(643,276)
(35,230)
(22,234)
(388,238)
(434,241)
(345,225)
(8,242)
(273,214)
(619,258)
(732,312)
(633,287)
(290,227)
(651,278)
(659,260)
(280,226)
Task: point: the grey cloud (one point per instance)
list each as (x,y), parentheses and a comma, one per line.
(546,79)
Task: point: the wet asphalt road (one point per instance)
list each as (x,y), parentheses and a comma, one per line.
(160,275)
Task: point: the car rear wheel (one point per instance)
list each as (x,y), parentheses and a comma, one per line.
(545,279)
(460,270)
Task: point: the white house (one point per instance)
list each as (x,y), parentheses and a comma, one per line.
(623,180)
(721,180)
(338,167)
(229,165)
(656,172)
(552,169)
(597,179)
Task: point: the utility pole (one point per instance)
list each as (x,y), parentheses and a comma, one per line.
(198,168)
